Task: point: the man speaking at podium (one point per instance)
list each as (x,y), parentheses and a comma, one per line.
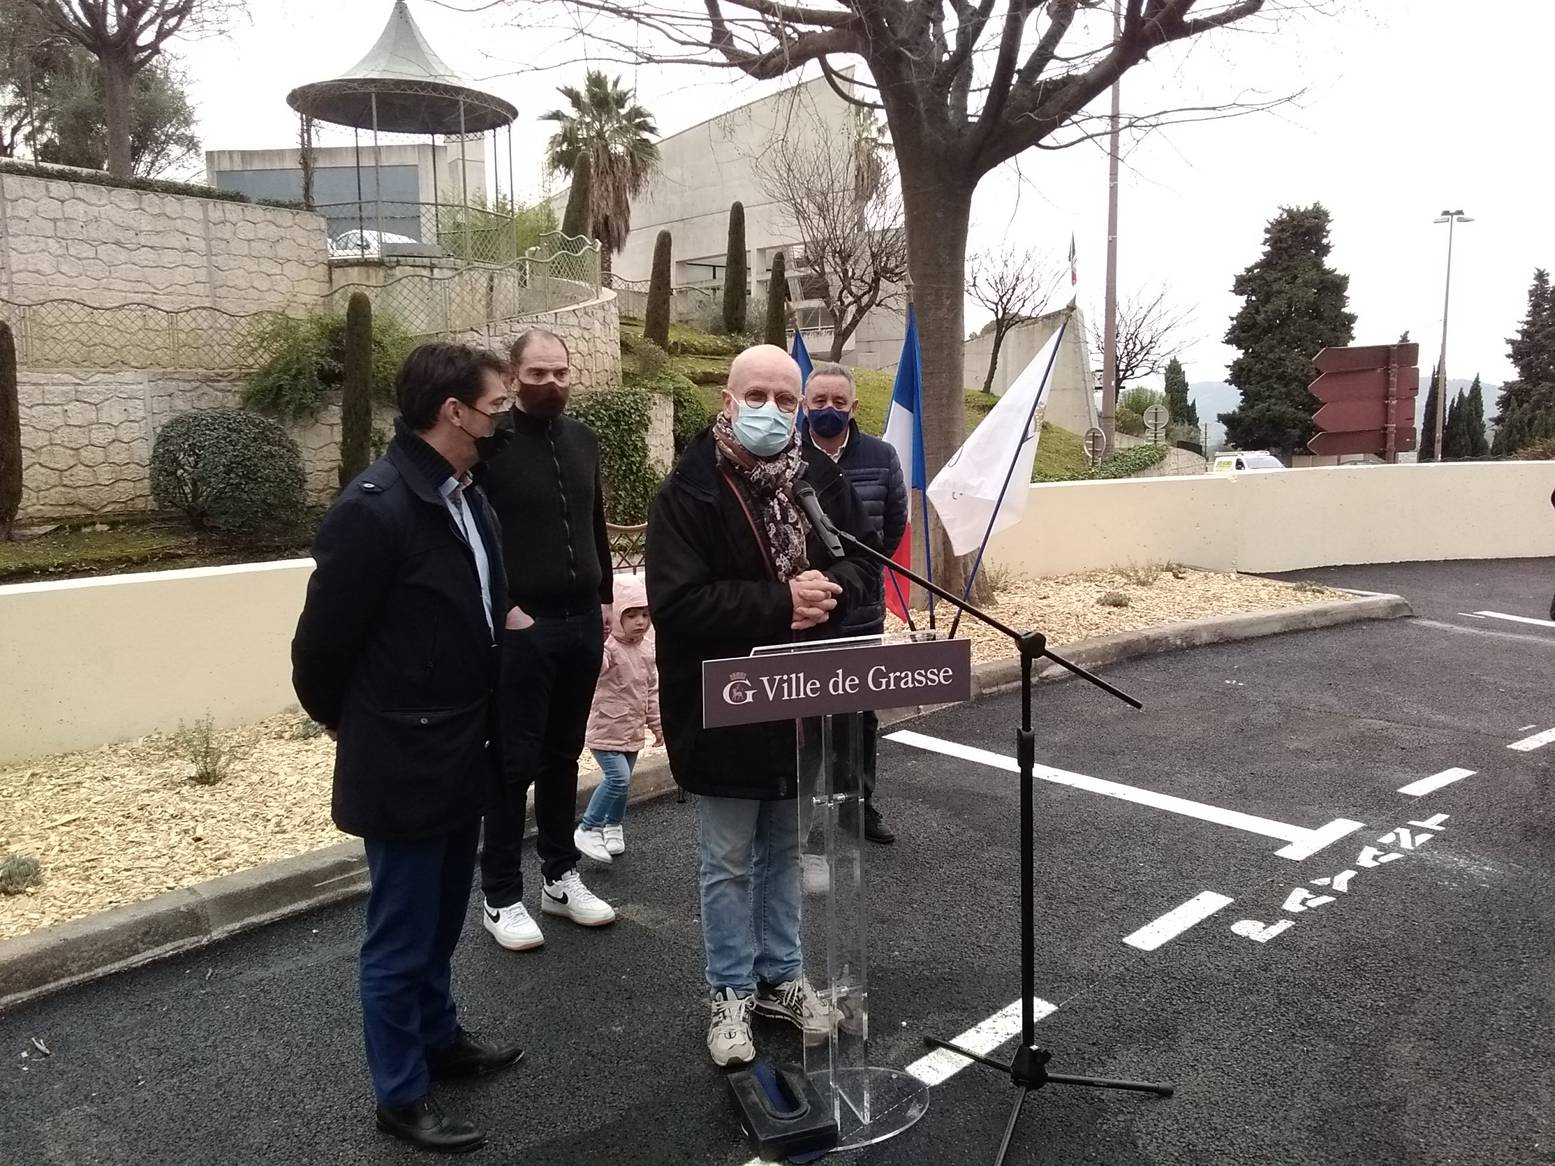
(732,565)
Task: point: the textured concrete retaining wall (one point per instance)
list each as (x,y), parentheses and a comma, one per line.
(103,245)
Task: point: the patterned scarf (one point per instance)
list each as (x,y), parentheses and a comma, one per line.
(768,482)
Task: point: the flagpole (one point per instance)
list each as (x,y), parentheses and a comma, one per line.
(923,493)
(1036,403)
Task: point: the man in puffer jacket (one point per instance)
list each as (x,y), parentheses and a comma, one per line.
(872,469)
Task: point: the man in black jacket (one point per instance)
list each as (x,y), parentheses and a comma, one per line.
(732,565)
(395,656)
(545,489)
(873,470)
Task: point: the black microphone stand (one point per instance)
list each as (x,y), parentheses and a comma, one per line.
(1028,1068)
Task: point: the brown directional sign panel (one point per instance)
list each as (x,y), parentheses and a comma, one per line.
(1351,416)
(1367,442)
(1368,396)
(1369,384)
(1360,359)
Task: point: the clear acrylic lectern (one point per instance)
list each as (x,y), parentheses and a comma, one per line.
(870,1103)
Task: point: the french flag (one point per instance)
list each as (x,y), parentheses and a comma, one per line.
(904,433)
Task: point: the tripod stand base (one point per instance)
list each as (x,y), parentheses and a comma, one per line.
(1028,1071)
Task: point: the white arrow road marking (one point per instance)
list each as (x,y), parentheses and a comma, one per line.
(1301,841)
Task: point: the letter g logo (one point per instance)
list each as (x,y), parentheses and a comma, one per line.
(739,691)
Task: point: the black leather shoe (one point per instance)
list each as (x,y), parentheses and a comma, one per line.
(875,828)
(425,1126)
(468,1057)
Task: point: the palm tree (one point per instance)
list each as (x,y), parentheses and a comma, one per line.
(615,133)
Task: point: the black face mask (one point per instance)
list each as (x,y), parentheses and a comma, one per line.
(544,400)
(827,423)
(487,448)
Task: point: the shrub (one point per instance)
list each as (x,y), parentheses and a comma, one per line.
(656,317)
(228,470)
(776,331)
(19,873)
(199,745)
(1113,599)
(619,419)
(356,389)
(1130,422)
(1141,576)
(304,358)
(1541,450)
(1125,463)
(650,359)
(305,729)
(10,435)
(736,276)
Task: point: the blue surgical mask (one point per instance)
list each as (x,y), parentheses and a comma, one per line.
(764,430)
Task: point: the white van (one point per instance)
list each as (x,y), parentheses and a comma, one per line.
(1246,459)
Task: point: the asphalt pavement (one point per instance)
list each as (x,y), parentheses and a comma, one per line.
(1329,969)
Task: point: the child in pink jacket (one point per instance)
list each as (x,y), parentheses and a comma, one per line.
(626,703)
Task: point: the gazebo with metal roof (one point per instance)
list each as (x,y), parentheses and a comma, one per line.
(402,86)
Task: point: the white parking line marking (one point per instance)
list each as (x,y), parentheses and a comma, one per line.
(1538,623)
(1486,630)
(1426,784)
(942,1064)
(1537,741)
(1181,917)
(1302,842)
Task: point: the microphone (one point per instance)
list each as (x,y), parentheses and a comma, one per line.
(804,494)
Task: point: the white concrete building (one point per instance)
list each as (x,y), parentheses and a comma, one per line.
(451,173)
(711,165)
(1072,397)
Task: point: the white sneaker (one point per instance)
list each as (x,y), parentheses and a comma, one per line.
(615,839)
(594,843)
(568,896)
(729,1035)
(512,927)
(799,1004)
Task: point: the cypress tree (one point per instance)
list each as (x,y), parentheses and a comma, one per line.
(1427,449)
(356,389)
(575,220)
(1294,304)
(1479,444)
(656,320)
(1454,435)
(736,274)
(776,331)
(10,435)
(1183,411)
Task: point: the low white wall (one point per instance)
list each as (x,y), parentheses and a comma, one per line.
(1283,520)
(89,661)
(96,660)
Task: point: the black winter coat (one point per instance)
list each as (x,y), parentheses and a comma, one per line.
(713,596)
(875,473)
(392,651)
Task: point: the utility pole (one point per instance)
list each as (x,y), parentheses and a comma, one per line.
(1109,358)
(1452,219)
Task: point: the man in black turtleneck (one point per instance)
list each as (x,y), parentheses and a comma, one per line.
(545,488)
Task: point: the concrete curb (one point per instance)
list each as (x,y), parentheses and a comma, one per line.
(58,957)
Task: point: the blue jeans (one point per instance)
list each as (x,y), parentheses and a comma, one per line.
(750,889)
(415,912)
(608,805)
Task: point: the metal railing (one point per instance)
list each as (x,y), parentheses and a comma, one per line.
(366,231)
(628,545)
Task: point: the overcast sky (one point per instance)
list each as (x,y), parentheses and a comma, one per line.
(1408,107)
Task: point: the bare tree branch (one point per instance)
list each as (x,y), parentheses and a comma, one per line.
(1151,331)
(1014,286)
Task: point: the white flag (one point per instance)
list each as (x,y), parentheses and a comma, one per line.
(970,486)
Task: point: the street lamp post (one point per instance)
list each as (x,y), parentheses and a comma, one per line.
(1452,219)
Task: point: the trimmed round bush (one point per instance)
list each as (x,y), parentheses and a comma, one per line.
(230,471)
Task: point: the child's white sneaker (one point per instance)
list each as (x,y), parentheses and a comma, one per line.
(615,839)
(593,843)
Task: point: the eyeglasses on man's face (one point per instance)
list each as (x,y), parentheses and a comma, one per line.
(785,400)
